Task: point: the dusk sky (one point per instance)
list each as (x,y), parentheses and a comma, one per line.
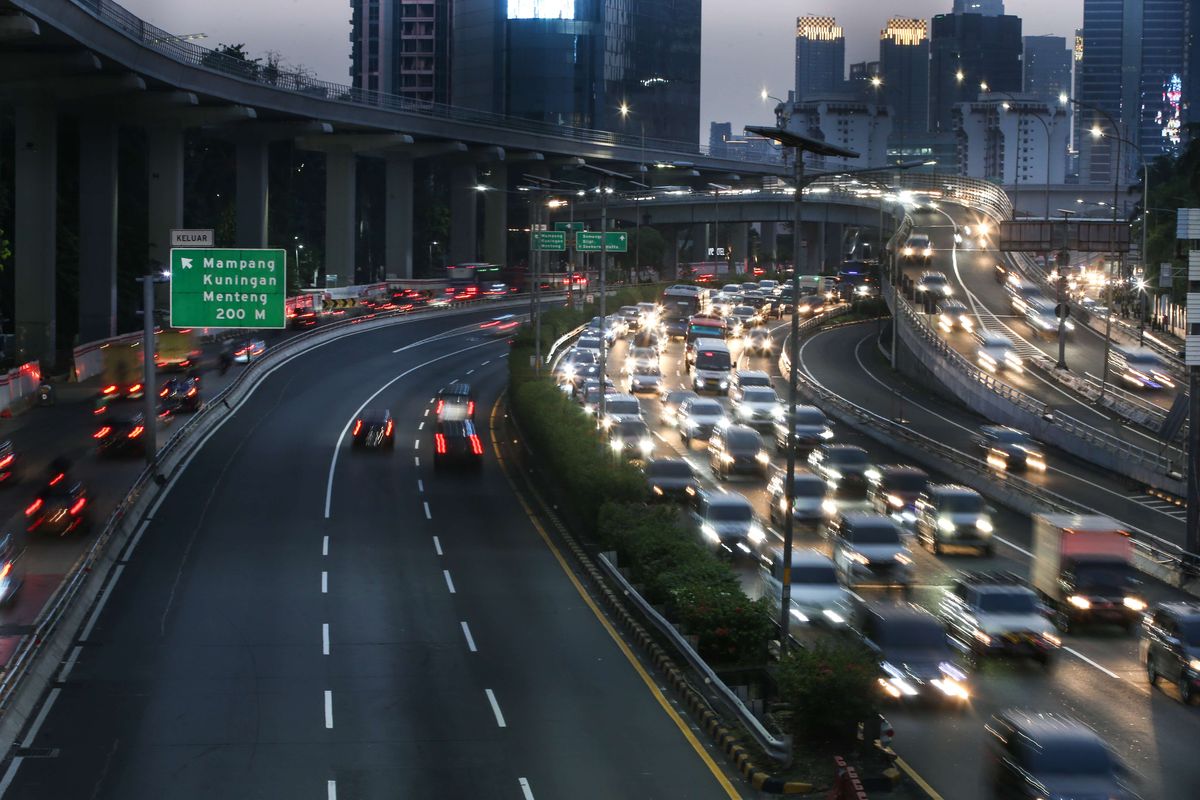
(743,52)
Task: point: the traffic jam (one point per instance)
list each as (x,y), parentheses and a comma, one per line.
(689,390)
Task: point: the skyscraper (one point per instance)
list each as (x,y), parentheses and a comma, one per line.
(967,50)
(864,82)
(1047,67)
(989,8)
(718,134)
(904,71)
(401,47)
(1132,68)
(1191,55)
(820,56)
(578,62)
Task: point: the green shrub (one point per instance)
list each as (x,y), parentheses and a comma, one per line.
(730,627)
(830,688)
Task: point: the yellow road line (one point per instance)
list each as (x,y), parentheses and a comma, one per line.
(713,767)
(912,773)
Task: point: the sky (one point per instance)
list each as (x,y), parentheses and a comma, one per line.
(742,53)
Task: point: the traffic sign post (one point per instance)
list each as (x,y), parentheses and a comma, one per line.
(555,241)
(214,288)
(197,237)
(593,242)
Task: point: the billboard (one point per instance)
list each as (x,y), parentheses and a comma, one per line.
(1042,236)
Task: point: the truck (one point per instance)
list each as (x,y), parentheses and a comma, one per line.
(176,350)
(121,376)
(1083,570)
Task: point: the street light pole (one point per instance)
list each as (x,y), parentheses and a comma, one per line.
(1062,291)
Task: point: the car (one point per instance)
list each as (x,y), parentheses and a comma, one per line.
(1170,647)
(502,326)
(9,463)
(954,315)
(817,596)
(768,287)
(726,522)
(845,469)
(784,301)
(619,408)
(456,443)
(121,435)
(809,509)
(630,438)
(742,318)
(1141,368)
(631,316)
(645,380)
(649,314)
(916,660)
(249,350)
(810,304)
(648,339)
(1034,754)
(811,429)
(589,395)
(181,394)
(894,489)
(917,248)
(303,320)
(989,615)
(671,400)
(572,360)
(737,450)
(953,515)
(374,429)
(743,379)
(12,570)
(641,357)
(455,401)
(758,342)
(60,507)
(671,479)
(996,353)
(758,407)
(935,283)
(869,548)
(698,418)
(1010,449)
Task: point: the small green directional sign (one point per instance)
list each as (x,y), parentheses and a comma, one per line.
(590,241)
(573,227)
(549,240)
(212,288)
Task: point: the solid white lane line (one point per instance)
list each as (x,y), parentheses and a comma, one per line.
(416,444)
(420,485)
(427,514)
(470,638)
(87,631)
(449,581)
(437,545)
(331,790)
(525,790)
(1087,660)
(337,447)
(13,766)
(325,638)
(324,582)
(496,708)
(328,708)
(324,545)
(41,717)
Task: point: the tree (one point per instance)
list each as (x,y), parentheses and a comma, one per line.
(830,687)
(1174,183)
(233,58)
(649,251)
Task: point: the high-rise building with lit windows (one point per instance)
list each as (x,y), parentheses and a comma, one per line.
(904,75)
(966,51)
(989,8)
(820,56)
(401,47)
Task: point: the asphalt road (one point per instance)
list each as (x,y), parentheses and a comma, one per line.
(1098,679)
(416,640)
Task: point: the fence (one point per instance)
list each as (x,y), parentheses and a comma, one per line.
(18,384)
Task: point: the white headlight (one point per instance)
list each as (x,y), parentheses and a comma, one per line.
(984,524)
(945,525)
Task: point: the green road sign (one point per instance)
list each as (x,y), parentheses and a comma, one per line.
(549,240)
(568,226)
(213,288)
(614,241)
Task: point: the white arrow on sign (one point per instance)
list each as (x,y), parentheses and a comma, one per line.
(185,263)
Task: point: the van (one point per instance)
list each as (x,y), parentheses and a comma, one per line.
(710,365)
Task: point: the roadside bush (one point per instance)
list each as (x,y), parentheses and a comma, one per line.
(730,627)
(830,688)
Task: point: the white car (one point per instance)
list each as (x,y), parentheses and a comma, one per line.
(758,341)
(817,596)
(996,353)
(952,314)
(645,380)
(619,408)
(868,548)
(758,406)
(936,283)
(641,358)
(726,521)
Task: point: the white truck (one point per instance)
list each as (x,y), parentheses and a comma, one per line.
(1083,570)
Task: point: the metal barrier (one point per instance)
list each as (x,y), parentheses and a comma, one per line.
(19,383)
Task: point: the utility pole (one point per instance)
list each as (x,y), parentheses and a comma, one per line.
(1063,262)
(149,392)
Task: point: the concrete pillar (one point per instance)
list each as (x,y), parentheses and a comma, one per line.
(833,233)
(671,234)
(35,218)
(341,194)
(463,180)
(739,242)
(767,236)
(398,214)
(97,230)
(164,161)
(251,193)
(495,215)
(699,241)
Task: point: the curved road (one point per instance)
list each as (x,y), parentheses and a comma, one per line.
(419,639)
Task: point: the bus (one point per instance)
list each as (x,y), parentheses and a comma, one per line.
(680,303)
(705,327)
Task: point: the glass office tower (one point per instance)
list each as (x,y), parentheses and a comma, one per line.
(965,51)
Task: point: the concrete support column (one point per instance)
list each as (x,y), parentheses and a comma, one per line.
(398,214)
(832,235)
(699,241)
(98,230)
(35,218)
(463,180)
(164,160)
(341,194)
(251,193)
(767,236)
(810,234)
(739,242)
(671,234)
(495,215)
